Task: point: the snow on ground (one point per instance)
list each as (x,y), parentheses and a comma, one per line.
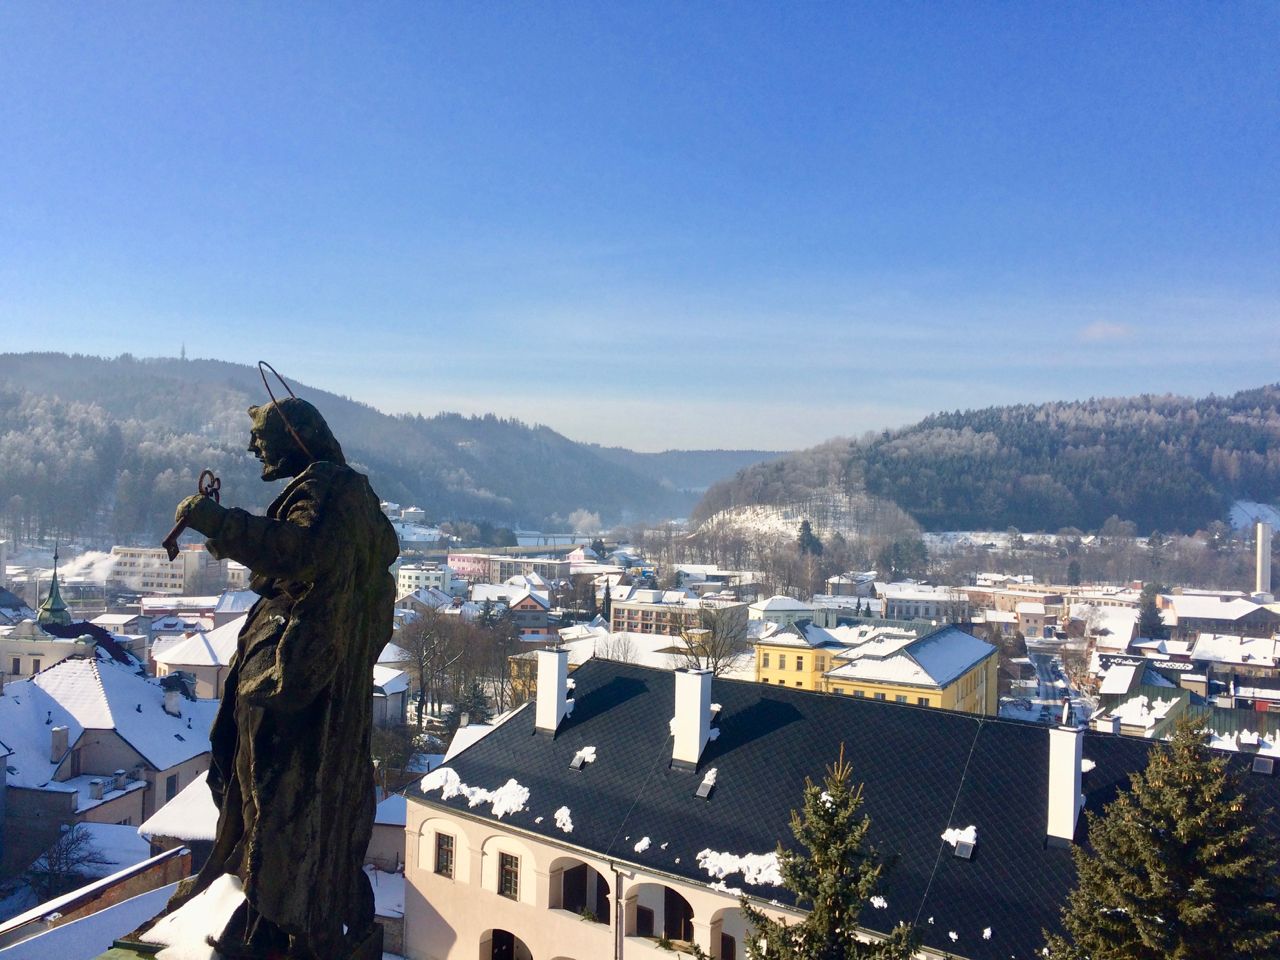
(642,845)
(16,897)
(1245,513)
(757,869)
(388,892)
(511,797)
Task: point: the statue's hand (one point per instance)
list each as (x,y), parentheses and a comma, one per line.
(201,513)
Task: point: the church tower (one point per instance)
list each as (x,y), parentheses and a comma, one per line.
(54,609)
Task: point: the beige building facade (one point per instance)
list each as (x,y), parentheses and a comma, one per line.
(473,890)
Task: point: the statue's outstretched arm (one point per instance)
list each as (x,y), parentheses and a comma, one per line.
(291,548)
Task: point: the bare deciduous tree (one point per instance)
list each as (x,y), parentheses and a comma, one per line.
(67,864)
(618,647)
(719,636)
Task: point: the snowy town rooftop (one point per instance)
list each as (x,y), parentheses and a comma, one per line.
(927,773)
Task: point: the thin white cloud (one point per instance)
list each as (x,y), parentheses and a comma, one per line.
(1104,331)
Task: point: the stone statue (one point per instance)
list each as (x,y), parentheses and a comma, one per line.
(291,769)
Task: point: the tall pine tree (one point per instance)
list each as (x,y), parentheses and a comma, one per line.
(1150,624)
(1176,867)
(834,881)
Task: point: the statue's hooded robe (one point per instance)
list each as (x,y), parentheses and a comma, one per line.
(291,768)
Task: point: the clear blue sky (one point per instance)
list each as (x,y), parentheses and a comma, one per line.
(656,225)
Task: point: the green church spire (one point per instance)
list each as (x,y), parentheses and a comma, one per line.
(54,609)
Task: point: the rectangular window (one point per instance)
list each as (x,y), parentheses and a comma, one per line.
(879,696)
(35,666)
(170,787)
(922,701)
(799,663)
(17,666)
(822,664)
(444,854)
(859,693)
(799,683)
(766,661)
(509,875)
(900,698)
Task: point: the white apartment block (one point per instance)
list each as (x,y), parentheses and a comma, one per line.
(413,577)
(149,569)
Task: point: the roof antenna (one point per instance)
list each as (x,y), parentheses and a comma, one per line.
(263,367)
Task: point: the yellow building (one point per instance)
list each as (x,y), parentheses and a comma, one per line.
(797,655)
(945,668)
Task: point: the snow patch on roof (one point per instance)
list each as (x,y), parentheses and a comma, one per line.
(191,815)
(1139,711)
(212,649)
(954,835)
(563,820)
(511,797)
(757,869)
(391,811)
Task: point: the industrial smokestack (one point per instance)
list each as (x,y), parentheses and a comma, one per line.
(1262,562)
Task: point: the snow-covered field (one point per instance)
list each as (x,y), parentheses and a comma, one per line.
(833,512)
(1245,513)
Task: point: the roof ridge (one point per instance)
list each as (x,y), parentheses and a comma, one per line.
(102,689)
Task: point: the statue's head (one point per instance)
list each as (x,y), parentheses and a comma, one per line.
(272,442)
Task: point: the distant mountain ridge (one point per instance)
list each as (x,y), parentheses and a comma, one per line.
(690,471)
(1167,463)
(89,444)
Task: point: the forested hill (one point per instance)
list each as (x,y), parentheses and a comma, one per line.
(106,447)
(1167,463)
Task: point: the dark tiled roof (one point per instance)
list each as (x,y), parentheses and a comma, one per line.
(102,637)
(924,770)
(10,601)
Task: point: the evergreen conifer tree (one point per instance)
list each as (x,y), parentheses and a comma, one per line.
(474,702)
(1150,624)
(834,881)
(807,542)
(1176,866)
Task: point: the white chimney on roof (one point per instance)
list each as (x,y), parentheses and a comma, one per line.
(1262,556)
(1066,754)
(119,780)
(173,702)
(57,744)
(95,789)
(553,685)
(691,725)
(1107,724)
